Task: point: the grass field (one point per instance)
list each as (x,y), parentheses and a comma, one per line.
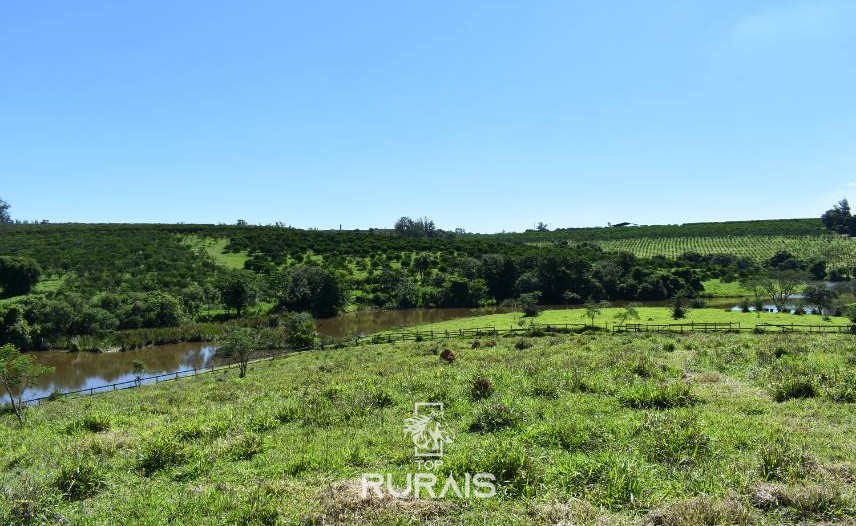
(215,249)
(715,288)
(838,251)
(653,315)
(579,429)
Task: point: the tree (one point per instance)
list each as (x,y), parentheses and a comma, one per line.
(4,212)
(395,289)
(629,312)
(679,311)
(593,310)
(238,290)
(779,286)
(17,374)
(756,285)
(239,344)
(210,295)
(820,296)
(499,273)
(310,288)
(542,227)
(458,291)
(559,271)
(528,303)
(423,262)
(424,227)
(301,333)
(18,274)
(839,218)
(192,298)
(14,328)
(139,369)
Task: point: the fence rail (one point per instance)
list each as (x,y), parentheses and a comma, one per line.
(474,332)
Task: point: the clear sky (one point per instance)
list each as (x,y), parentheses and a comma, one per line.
(483,115)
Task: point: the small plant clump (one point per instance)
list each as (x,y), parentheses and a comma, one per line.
(79,480)
(482,388)
(523,344)
(493,417)
(657,395)
(448,355)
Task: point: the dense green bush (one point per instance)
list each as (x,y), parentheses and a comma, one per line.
(18,274)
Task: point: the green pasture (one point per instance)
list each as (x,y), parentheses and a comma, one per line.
(578,430)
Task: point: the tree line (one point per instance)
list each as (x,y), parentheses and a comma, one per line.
(119,277)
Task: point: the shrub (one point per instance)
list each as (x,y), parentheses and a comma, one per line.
(493,418)
(79,480)
(522,344)
(669,347)
(789,388)
(528,303)
(651,395)
(448,355)
(482,388)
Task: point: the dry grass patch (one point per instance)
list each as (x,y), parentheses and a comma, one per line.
(344,503)
(574,512)
(703,512)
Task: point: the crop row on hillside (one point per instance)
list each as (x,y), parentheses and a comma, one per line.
(838,251)
(769,227)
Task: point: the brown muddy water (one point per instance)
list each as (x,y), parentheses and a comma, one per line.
(77,371)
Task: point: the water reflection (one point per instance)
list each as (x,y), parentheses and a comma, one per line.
(76,371)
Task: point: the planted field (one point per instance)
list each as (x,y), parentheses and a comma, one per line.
(838,251)
(703,429)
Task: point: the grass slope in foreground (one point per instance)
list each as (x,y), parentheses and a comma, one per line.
(580,429)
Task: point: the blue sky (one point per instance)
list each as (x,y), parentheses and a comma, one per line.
(482,115)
